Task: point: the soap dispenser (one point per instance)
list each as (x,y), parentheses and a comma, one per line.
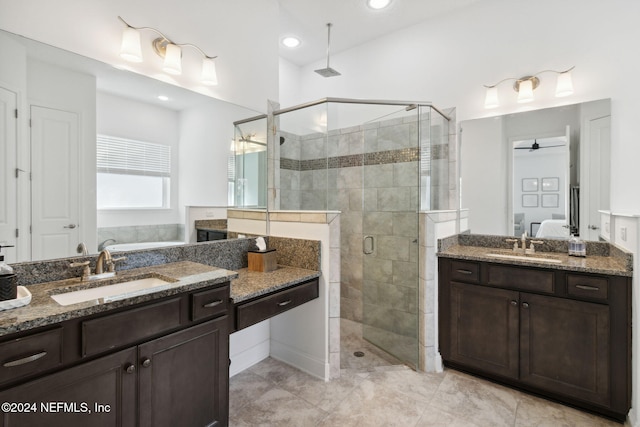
(8,288)
(577,247)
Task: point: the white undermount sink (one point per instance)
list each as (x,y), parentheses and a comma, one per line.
(526,258)
(114,292)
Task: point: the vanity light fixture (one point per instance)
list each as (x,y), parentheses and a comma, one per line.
(527,84)
(131,50)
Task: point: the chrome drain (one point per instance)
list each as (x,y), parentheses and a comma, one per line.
(358,354)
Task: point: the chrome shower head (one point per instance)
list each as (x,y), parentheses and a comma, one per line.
(328,71)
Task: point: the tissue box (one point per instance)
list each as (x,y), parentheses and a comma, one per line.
(262,261)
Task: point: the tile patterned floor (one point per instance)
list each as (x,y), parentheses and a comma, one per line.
(376,391)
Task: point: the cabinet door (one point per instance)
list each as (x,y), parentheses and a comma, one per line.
(97,393)
(484,328)
(184,377)
(565,346)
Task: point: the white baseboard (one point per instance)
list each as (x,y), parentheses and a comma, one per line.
(303,361)
(632,418)
(249,357)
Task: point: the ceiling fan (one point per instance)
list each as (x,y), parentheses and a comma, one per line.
(536,146)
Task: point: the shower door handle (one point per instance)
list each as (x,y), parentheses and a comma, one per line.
(371,246)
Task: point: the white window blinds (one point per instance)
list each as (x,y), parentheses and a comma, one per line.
(129,157)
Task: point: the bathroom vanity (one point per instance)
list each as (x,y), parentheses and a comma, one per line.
(547,323)
(158,359)
(149,360)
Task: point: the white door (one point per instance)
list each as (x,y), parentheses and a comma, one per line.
(8,181)
(597,177)
(55,174)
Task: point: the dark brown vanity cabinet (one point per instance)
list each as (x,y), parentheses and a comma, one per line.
(184,377)
(104,381)
(562,334)
(173,370)
(484,328)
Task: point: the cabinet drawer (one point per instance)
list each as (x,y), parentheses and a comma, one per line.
(252,312)
(462,271)
(31,354)
(587,286)
(124,328)
(209,303)
(524,279)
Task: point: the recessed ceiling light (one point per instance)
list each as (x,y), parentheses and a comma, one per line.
(378,4)
(163,97)
(291,41)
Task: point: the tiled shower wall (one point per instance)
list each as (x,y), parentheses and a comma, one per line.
(374,166)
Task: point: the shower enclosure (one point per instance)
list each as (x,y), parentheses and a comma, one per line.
(380,163)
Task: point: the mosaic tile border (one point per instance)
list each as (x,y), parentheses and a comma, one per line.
(403,155)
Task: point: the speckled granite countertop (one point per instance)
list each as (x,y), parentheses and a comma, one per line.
(43,310)
(611,265)
(251,284)
(185,276)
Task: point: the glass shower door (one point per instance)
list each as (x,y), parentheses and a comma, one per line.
(390,195)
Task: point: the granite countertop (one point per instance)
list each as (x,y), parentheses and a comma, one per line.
(611,265)
(43,310)
(251,284)
(209,228)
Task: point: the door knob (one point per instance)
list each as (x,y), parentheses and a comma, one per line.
(514,302)
(146,362)
(525,304)
(130,368)
(593,227)
(72,226)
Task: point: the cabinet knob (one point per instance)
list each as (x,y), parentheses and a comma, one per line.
(130,368)
(525,304)
(146,362)
(514,302)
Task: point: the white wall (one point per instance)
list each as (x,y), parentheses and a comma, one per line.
(242,33)
(125,118)
(447,61)
(289,78)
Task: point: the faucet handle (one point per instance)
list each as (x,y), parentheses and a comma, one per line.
(532,248)
(86,270)
(112,263)
(514,241)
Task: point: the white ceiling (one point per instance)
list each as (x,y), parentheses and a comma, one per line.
(353,22)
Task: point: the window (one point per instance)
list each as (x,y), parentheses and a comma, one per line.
(132,174)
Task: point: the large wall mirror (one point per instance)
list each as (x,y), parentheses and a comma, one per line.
(544,172)
(96,150)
